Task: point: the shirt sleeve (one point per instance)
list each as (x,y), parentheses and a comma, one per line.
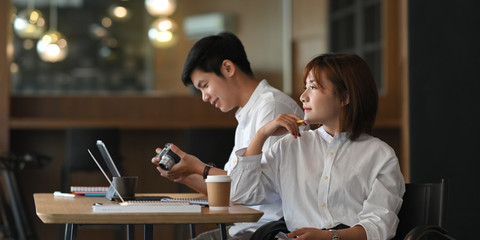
(250,184)
(379,214)
(270,109)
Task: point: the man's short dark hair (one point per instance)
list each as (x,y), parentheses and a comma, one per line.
(208,53)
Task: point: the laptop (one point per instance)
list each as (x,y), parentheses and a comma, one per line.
(111,195)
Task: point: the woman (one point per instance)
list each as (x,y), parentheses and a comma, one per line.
(335,177)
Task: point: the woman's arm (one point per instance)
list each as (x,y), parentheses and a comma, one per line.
(283,123)
(353,233)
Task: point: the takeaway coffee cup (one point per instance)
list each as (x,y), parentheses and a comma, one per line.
(218,190)
(126,186)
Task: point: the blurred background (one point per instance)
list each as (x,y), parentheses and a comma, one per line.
(95,65)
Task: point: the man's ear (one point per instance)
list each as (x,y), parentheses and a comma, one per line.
(228,68)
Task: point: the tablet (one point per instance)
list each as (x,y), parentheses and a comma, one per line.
(108,159)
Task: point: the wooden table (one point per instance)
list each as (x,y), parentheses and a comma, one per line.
(78,210)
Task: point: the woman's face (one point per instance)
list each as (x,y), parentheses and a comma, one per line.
(215,90)
(321,104)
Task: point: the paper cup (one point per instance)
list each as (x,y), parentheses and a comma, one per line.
(218,190)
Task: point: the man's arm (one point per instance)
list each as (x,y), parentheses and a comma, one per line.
(189,170)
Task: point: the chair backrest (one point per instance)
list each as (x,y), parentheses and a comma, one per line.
(423,204)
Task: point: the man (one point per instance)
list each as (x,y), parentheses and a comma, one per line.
(217,65)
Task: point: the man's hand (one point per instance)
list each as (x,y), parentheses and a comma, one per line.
(187,165)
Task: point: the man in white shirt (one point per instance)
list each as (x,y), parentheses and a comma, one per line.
(218,66)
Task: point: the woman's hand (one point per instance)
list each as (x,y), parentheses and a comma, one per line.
(310,234)
(356,232)
(283,123)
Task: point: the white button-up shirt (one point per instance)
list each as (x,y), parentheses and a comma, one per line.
(263,106)
(325,181)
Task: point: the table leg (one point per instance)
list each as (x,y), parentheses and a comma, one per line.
(130,232)
(148,232)
(71,231)
(68,231)
(192,231)
(74,232)
(223,231)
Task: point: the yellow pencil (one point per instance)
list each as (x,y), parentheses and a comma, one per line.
(300,121)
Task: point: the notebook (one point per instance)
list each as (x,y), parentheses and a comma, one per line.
(147,207)
(89,191)
(196,201)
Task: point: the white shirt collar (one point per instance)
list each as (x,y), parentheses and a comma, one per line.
(256,94)
(329,138)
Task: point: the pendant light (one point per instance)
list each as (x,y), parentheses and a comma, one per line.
(163,33)
(159,8)
(119,12)
(163,30)
(30,22)
(52,47)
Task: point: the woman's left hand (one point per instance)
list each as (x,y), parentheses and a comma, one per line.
(283,123)
(310,234)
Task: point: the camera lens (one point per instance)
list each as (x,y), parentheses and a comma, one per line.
(166,162)
(167,158)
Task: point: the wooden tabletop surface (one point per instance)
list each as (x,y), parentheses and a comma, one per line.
(78,210)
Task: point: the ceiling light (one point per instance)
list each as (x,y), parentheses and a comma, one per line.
(159,8)
(29,23)
(52,47)
(163,33)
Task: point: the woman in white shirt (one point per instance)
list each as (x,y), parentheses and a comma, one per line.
(335,175)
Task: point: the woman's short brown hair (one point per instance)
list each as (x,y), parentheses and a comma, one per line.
(350,76)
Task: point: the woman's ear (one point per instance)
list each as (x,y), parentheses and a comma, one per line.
(345,99)
(228,68)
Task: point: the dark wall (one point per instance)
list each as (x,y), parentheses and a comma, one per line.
(444,65)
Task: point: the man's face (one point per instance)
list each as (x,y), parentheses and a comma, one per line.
(215,90)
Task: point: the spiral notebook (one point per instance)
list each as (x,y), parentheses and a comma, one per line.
(196,201)
(147,207)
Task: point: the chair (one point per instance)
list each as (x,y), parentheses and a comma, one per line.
(423,214)
(14,222)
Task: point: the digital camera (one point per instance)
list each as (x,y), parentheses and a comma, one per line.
(167,158)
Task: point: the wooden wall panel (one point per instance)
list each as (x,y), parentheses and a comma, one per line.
(129,112)
(5,35)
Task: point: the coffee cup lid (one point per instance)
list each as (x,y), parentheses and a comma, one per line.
(218,178)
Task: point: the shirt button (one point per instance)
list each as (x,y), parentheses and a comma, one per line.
(322,204)
(330,154)
(326,177)
(235,161)
(329,225)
